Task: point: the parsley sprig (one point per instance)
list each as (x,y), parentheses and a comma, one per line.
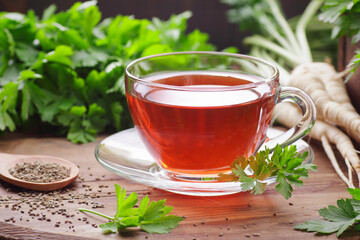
(286,164)
(66,69)
(152,217)
(337,219)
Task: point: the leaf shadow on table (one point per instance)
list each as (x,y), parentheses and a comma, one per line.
(129,233)
(242,205)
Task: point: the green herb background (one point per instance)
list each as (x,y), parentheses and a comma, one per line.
(64,72)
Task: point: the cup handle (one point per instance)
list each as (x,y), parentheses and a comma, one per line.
(308,110)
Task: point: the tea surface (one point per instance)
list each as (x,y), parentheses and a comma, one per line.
(200,130)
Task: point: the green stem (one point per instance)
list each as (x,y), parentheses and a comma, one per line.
(279,17)
(284,73)
(270,28)
(261,41)
(96,213)
(304,20)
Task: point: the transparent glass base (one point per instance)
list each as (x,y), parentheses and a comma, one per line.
(125,154)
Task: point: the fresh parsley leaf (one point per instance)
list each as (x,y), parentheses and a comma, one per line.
(125,205)
(283,186)
(344,15)
(338,218)
(355,192)
(152,217)
(109,227)
(160,224)
(49,12)
(250,14)
(11,74)
(325,227)
(286,164)
(8,100)
(6,121)
(247,183)
(355,63)
(60,55)
(77,134)
(26,53)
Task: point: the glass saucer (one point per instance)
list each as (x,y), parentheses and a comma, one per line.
(124,154)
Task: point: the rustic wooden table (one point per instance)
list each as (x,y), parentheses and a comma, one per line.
(31,215)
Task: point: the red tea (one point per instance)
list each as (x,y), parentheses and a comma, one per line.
(199,129)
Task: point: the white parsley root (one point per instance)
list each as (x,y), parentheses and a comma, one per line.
(325,86)
(286,46)
(289,115)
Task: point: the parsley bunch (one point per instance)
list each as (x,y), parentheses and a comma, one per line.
(286,164)
(151,217)
(338,219)
(66,69)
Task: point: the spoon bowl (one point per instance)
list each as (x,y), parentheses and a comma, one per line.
(8,161)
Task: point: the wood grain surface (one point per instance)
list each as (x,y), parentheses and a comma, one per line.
(237,216)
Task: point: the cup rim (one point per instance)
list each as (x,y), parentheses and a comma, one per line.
(267,80)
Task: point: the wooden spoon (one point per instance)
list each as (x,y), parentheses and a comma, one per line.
(8,161)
